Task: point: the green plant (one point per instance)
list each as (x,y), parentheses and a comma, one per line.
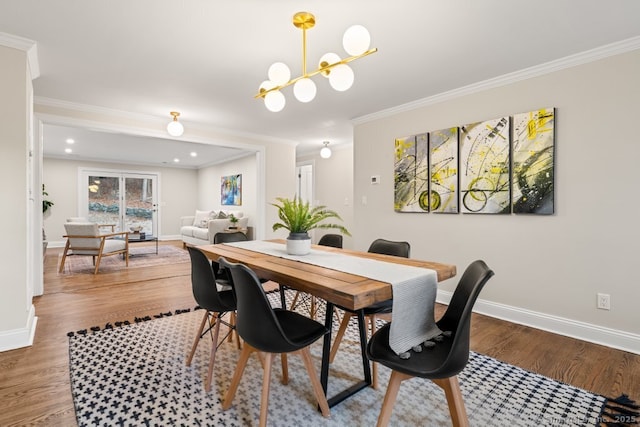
(233,219)
(46,204)
(299,217)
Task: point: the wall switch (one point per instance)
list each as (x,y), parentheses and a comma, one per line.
(364,200)
(604,301)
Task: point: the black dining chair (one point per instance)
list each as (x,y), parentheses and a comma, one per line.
(235,236)
(215,304)
(331,240)
(371,313)
(270,331)
(442,362)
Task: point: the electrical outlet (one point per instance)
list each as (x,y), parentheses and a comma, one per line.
(604,301)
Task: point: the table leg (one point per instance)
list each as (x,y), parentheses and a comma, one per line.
(326,350)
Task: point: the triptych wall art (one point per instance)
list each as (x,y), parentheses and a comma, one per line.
(499,166)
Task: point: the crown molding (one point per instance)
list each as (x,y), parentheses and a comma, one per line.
(581,58)
(26,45)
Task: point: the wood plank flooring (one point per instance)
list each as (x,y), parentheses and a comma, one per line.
(34,381)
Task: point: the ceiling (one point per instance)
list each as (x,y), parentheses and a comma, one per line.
(206,59)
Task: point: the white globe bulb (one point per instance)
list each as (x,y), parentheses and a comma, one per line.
(341,77)
(328,59)
(304,90)
(356,40)
(275,101)
(279,73)
(175,128)
(325,153)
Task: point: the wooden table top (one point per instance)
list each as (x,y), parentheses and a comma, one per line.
(348,290)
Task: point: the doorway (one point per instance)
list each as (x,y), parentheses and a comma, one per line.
(304,175)
(126,200)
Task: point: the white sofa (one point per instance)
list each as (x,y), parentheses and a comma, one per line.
(200,228)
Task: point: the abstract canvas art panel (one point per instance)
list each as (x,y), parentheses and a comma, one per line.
(533,162)
(231,190)
(443,162)
(411,174)
(485,167)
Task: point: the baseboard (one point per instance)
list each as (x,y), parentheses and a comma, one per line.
(21,337)
(613,338)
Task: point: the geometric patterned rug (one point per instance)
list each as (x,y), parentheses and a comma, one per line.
(135,374)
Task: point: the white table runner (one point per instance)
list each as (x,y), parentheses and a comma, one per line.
(414,288)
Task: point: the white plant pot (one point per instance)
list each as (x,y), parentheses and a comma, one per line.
(298,244)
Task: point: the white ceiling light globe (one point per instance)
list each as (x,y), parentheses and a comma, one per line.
(356,40)
(304,90)
(341,77)
(329,58)
(279,73)
(175,128)
(275,101)
(325,153)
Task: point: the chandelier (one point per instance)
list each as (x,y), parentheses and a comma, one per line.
(356,43)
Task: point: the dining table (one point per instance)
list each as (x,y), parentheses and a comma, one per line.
(335,286)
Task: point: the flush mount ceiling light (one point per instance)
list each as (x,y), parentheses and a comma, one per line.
(325,153)
(355,41)
(174,127)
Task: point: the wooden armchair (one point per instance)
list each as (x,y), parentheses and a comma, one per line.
(84,238)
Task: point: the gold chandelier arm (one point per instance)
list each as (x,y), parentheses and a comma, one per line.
(264,92)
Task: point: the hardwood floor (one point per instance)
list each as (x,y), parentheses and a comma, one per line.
(34,381)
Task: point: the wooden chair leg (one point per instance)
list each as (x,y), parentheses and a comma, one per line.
(212,357)
(315,382)
(237,375)
(285,368)
(294,301)
(197,340)
(390,397)
(98,263)
(313,307)
(266,379)
(234,331)
(339,335)
(451,388)
(64,257)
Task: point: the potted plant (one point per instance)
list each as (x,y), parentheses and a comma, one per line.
(234,222)
(299,217)
(46,204)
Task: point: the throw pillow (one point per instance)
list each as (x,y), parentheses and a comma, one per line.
(222,215)
(201,219)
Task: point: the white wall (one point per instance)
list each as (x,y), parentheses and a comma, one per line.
(177,194)
(17,320)
(209,180)
(548,268)
(333,184)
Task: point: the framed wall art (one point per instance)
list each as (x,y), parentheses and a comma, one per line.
(231,190)
(411,174)
(443,164)
(485,167)
(533,162)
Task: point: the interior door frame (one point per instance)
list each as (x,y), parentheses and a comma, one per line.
(83,199)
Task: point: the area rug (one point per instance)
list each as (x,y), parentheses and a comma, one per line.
(139,256)
(135,374)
